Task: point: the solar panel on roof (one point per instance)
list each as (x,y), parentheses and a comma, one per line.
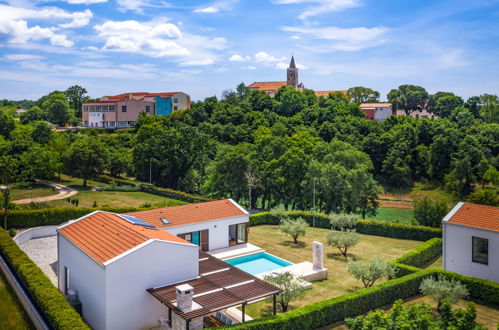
(165,221)
(135,221)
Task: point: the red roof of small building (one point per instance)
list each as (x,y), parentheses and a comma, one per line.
(267,85)
(190,213)
(142,94)
(375,105)
(104,236)
(478,216)
(326,93)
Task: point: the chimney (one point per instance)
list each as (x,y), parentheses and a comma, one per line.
(185,292)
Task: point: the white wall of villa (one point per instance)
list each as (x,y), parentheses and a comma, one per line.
(114,295)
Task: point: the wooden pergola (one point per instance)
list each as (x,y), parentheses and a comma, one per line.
(218,287)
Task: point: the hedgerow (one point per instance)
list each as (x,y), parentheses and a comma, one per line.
(46,296)
(423,254)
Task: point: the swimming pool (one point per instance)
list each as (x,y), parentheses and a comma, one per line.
(257,263)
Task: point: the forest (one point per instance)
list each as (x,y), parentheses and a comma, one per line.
(296,151)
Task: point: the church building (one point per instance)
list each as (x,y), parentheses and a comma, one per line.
(292,79)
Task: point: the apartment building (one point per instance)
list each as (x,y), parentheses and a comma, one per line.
(119,111)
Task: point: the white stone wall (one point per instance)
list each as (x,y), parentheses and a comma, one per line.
(457,251)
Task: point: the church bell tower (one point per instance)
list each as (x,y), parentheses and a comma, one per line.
(292,79)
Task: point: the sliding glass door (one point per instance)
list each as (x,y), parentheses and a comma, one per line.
(238,234)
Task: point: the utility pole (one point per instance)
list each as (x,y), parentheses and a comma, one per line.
(313,217)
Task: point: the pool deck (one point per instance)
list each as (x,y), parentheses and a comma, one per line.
(235,251)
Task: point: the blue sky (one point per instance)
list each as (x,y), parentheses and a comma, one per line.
(205,47)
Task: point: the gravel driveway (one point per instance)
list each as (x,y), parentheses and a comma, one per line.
(43,251)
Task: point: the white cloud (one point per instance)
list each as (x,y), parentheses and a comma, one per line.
(159,39)
(295,37)
(238,58)
(263,57)
(249,67)
(22,57)
(216,7)
(137,5)
(346,39)
(283,66)
(85,2)
(318,7)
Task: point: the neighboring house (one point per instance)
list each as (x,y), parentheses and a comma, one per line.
(471,241)
(123,110)
(376,111)
(131,274)
(20,111)
(423,113)
(325,94)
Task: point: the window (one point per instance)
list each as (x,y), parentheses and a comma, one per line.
(480,250)
(175,100)
(111,108)
(123,108)
(238,234)
(66,280)
(175,107)
(148,108)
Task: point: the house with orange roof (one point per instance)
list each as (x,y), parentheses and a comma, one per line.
(131,271)
(123,110)
(471,241)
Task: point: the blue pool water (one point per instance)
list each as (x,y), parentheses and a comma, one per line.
(258,263)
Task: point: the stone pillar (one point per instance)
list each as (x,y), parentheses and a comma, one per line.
(318,255)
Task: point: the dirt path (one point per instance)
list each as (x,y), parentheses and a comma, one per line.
(64,192)
(387,204)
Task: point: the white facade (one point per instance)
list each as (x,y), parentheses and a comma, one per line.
(381,113)
(114,295)
(218,230)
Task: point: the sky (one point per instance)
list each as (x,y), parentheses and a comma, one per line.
(205,47)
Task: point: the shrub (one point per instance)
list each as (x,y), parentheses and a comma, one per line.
(423,254)
(294,227)
(12,232)
(430,213)
(485,196)
(342,221)
(449,289)
(372,271)
(121,188)
(48,298)
(343,240)
(397,230)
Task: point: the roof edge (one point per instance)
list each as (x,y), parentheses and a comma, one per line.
(238,206)
(453,211)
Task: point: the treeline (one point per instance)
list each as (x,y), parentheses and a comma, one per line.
(294,150)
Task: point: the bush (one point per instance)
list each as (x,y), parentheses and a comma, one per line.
(485,196)
(55,216)
(443,288)
(342,221)
(423,254)
(48,298)
(12,232)
(121,188)
(430,213)
(397,230)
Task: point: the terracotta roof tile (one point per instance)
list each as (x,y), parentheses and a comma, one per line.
(104,235)
(475,215)
(191,213)
(375,105)
(326,93)
(267,85)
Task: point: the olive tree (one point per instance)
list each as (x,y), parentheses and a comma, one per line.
(294,227)
(343,240)
(342,221)
(442,288)
(372,271)
(290,285)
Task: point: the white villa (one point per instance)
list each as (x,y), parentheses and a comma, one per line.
(138,270)
(471,241)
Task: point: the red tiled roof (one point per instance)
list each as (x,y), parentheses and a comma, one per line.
(189,214)
(475,215)
(268,85)
(143,94)
(326,93)
(104,236)
(375,105)
(105,102)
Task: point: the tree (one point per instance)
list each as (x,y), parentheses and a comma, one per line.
(295,228)
(42,132)
(57,108)
(252,181)
(39,163)
(489,109)
(7,124)
(291,286)
(242,91)
(372,271)
(442,288)
(76,95)
(428,212)
(342,221)
(8,175)
(487,196)
(415,317)
(86,158)
(343,240)
(290,101)
(33,114)
(443,103)
(409,98)
(362,95)
(259,101)
(120,161)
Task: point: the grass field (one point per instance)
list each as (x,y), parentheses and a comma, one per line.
(339,280)
(30,190)
(394,215)
(12,315)
(419,190)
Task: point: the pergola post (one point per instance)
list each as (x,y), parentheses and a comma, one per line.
(170,316)
(243,313)
(274,304)
(187,324)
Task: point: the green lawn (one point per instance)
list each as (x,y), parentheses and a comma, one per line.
(418,190)
(339,280)
(394,215)
(30,190)
(12,315)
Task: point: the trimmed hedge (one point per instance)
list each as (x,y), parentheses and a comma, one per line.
(328,311)
(423,254)
(48,298)
(397,230)
(55,216)
(368,227)
(479,289)
(403,270)
(152,189)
